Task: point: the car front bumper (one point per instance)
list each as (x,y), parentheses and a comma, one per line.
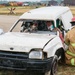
(20,62)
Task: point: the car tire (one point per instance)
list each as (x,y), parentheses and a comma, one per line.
(54,66)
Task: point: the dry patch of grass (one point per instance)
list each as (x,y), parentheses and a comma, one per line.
(66,70)
(18,10)
(21,10)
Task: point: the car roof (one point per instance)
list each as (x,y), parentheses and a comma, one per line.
(45,13)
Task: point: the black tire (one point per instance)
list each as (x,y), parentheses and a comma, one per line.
(54,66)
(61,55)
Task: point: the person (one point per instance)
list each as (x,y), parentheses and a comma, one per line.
(46,26)
(29,26)
(25,26)
(70,42)
(49,25)
(32,27)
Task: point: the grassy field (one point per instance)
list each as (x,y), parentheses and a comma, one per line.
(18,10)
(62,69)
(66,70)
(21,10)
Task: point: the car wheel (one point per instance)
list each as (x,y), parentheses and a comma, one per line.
(48,73)
(54,66)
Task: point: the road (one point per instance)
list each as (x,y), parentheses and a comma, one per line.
(6,21)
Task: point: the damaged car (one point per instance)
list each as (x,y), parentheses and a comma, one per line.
(27,49)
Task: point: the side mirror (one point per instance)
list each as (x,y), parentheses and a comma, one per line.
(1,31)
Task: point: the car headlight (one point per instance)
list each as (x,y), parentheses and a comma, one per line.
(37,54)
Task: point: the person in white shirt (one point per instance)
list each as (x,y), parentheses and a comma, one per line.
(49,25)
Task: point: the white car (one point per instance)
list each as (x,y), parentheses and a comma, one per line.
(37,51)
(25,4)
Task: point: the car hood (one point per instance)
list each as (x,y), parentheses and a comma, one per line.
(23,42)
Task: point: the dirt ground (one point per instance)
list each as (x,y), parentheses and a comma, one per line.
(7,21)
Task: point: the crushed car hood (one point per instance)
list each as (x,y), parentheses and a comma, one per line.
(23,42)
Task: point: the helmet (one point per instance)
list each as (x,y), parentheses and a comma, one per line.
(73,21)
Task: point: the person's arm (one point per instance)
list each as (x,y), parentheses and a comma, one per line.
(56,29)
(67,41)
